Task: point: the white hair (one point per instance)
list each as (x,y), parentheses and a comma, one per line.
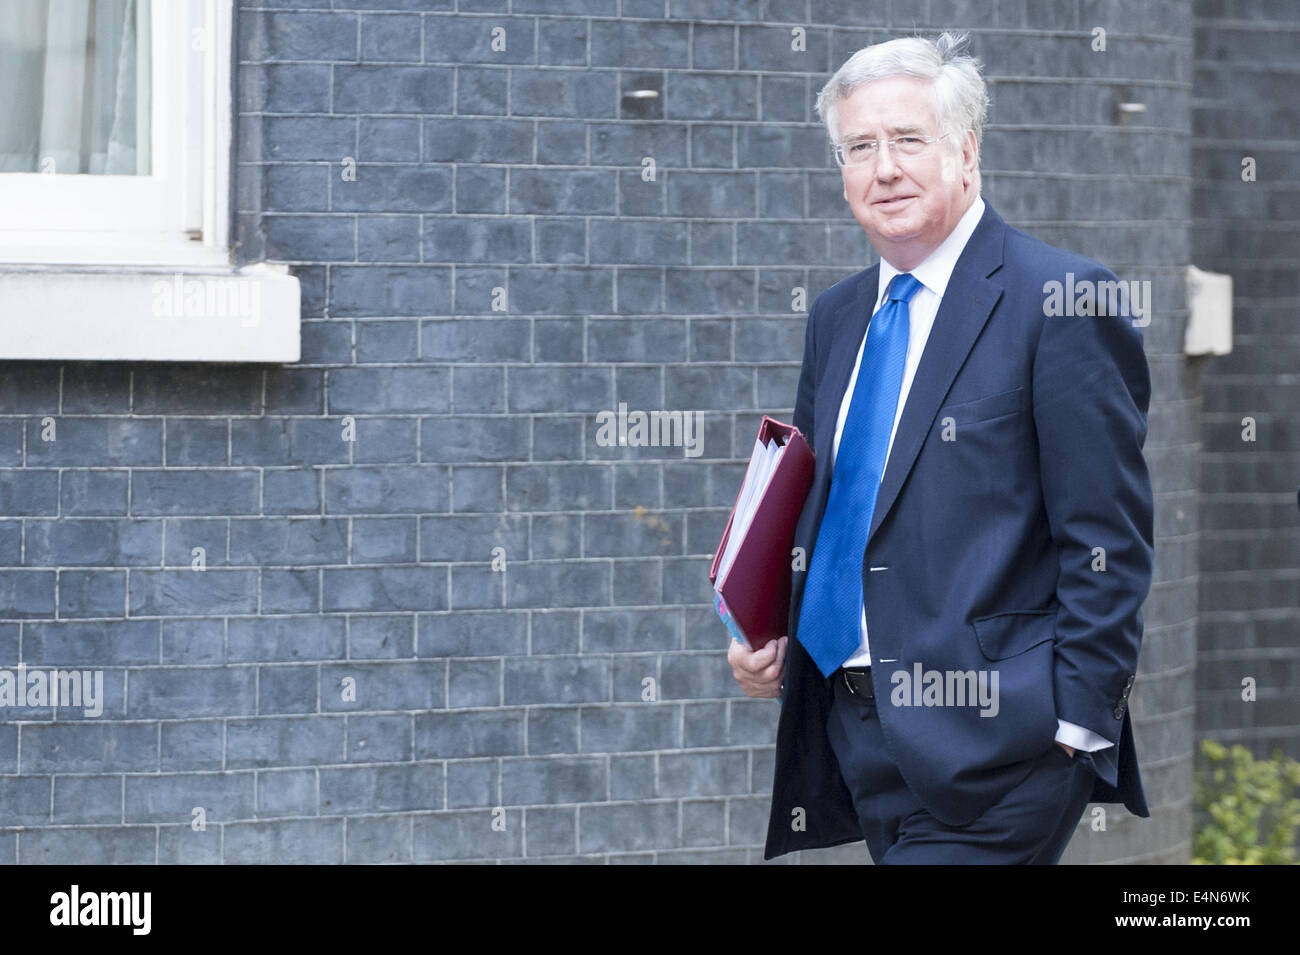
(961,100)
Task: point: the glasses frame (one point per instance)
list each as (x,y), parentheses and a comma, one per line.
(838,149)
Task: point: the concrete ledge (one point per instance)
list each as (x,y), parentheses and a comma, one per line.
(138,313)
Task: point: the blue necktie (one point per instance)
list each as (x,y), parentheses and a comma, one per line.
(830,618)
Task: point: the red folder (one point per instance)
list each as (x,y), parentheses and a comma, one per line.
(754,597)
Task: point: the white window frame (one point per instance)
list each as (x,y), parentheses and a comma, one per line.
(91,266)
(178,212)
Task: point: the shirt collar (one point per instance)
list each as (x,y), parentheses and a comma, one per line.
(936,270)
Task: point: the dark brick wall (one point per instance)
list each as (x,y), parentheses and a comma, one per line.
(1246,58)
(371,560)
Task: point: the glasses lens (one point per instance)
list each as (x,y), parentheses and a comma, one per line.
(858,150)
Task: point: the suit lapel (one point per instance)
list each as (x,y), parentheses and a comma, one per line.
(965,308)
(850,326)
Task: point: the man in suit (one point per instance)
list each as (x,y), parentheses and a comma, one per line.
(973,555)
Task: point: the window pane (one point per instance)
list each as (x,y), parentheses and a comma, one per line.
(76,80)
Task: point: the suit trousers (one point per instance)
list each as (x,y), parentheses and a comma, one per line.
(1031,824)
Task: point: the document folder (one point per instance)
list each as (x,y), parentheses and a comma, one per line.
(751,570)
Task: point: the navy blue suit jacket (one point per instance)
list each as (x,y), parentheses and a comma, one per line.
(981,553)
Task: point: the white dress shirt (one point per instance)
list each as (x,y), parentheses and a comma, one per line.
(933,274)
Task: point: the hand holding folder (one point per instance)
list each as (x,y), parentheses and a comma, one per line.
(752,568)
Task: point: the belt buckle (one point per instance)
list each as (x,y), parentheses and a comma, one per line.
(852,691)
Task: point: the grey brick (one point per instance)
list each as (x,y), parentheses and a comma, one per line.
(287,689)
(704,822)
(196,441)
(195,544)
(192,592)
(290,792)
(393,188)
(472,783)
(474,683)
(290,138)
(291,491)
(388,139)
(192,744)
(417,786)
(131,845)
(556,680)
(82,493)
(172,798)
(155,492)
(703,96)
(478,389)
(647,45)
(384,539)
(89,747)
(379,738)
(183,845)
(473,634)
(552,730)
(406,685)
(284,639)
(390,37)
(396,489)
(449,39)
(481,90)
(467,835)
(87,799)
(406,290)
(266,742)
(629,728)
(89,645)
(467,239)
(527,782)
(556,191)
(24,800)
(290,540)
(554,92)
(186,693)
(95,441)
(551,831)
(301,35)
(376,839)
(632,777)
(381,636)
(288,841)
(476,340)
(703,774)
(629,827)
(388,239)
(478,488)
(498,732)
(392,89)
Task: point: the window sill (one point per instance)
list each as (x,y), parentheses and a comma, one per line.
(181,312)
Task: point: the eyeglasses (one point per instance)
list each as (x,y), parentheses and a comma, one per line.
(863,151)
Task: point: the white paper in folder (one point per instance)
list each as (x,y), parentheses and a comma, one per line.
(762,465)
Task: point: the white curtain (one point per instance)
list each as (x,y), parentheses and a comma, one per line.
(76,87)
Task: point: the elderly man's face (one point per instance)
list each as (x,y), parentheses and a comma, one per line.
(908,207)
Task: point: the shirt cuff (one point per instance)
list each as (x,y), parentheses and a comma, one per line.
(1078,737)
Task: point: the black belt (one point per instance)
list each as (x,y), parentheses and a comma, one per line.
(858,680)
